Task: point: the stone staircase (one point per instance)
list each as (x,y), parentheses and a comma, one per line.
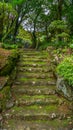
(37,105)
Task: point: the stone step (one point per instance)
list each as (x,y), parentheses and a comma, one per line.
(35,92)
(36,55)
(3,81)
(34,52)
(33,60)
(37,125)
(32,64)
(35,65)
(36,82)
(32,57)
(32,90)
(35,112)
(33,70)
(35,102)
(28,100)
(36,75)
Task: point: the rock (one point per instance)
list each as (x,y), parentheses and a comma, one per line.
(17,83)
(39,91)
(40,107)
(51,82)
(53,92)
(62,86)
(7,115)
(28,128)
(43,76)
(9,104)
(1,118)
(69,118)
(30,69)
(17,103)
(60,118)
(53,116)
(61,102)
(64,116)
(34,65)
(33,82)
(1,87)
(70,123)
(13,111)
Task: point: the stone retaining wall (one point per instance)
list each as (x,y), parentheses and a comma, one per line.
(63,87)
(7,75)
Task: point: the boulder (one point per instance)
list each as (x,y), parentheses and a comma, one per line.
(62,86)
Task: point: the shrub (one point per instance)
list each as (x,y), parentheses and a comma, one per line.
(71,43)
(43,46)
(65,69)
(9,46)
(60,32)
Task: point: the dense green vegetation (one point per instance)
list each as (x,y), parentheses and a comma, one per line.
(37,23)
(65,69)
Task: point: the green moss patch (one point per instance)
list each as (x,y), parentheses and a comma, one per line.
(5,95)
(10,63)
(55,124)
(36,109)
(34,79)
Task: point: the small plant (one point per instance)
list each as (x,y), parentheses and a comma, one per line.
(43,45)
(65,69)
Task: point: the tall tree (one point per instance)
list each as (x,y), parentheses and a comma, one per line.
(60,5)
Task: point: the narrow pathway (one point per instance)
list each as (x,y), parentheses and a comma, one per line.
(37,106)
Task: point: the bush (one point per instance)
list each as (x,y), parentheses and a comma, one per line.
(43,45)
(60,32)
(71,43)
(9,46)
(65,69)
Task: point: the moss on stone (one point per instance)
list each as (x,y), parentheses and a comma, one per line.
(10,64)
(5,95)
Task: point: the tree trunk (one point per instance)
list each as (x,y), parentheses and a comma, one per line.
(34,41)
(1,22)
(34,38)
(46,31)
(1,28)
(15,30)
(60,4)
